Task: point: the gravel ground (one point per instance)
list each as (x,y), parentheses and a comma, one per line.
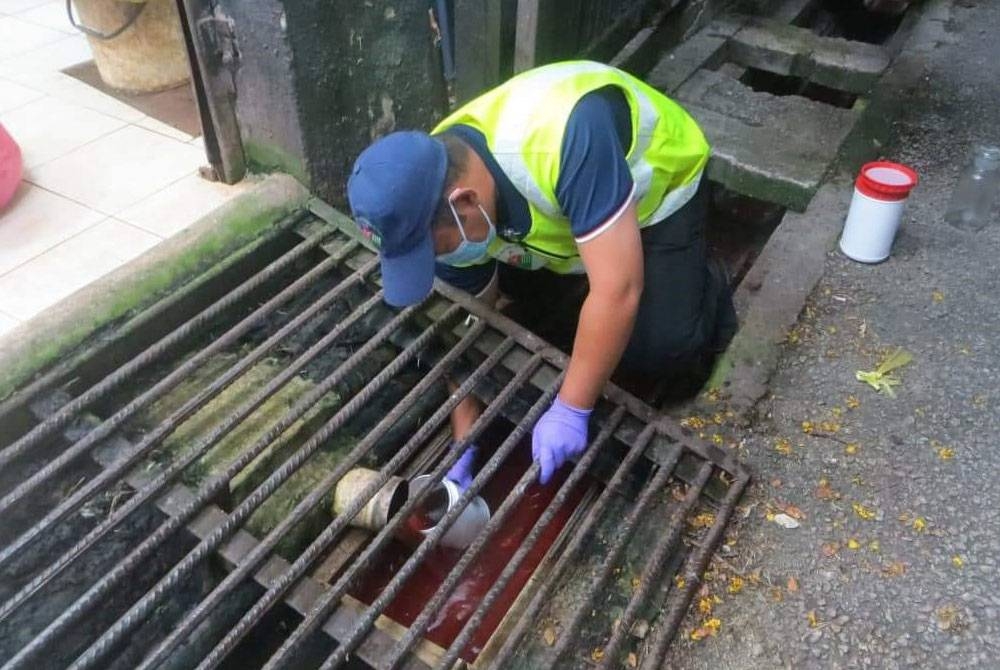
(895,560)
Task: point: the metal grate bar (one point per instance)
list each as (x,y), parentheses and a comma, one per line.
(611,555)
(654,566)
(298,569)
(485,473)
(319,493)
(420,624)
(62,369)
(103,587)
(192,405)
(122,374)
(150,395)
(148,602)
(694,569)
(324,605)
(576,544)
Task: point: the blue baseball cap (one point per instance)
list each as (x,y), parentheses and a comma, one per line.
(394,190)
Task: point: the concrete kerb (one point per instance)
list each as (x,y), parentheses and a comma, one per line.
(774,292)
(34,345)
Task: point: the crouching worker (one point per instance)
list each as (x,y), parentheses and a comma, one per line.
(569,168)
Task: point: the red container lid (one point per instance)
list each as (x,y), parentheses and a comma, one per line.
(883,180)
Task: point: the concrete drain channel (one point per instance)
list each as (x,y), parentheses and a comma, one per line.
(165,496)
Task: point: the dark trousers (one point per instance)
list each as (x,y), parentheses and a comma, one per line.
(685,313)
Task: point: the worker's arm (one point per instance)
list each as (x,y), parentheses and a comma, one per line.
(613,261)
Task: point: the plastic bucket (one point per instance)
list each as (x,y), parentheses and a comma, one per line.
(380,508)
(467,526)
(880,191)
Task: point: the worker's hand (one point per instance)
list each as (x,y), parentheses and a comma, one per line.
(561,434)
(461,471)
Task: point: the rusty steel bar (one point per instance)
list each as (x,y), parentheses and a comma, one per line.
(140,610)
(572,549)
(156,391)
(103,587)
(319,492)
(612,554)
(200,449)
(295,572)
(24,395)
(391,590)
(653,568)
(695,565)
(189,327)
(420,624)
(192,405)
(325,604)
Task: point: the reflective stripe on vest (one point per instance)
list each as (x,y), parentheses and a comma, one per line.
(524,121)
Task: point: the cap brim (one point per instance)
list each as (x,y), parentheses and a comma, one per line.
(408,279)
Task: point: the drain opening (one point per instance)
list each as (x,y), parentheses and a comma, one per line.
(850,20)
(782,85)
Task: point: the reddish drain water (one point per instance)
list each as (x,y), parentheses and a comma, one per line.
(481,575)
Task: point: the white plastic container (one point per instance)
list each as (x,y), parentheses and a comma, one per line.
(468,524)
(880,192)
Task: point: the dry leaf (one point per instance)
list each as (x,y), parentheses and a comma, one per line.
(852,402)
(808,427)
(777,596)
(830,549)
(549,635)
(957,561)
(945,453)
(735,584)
(811,618)
(894,569)
(703,520)
(632,660)
(853,544)
(937,296)
(863,512)
(705,605)
(783,446)
(851,448)
(597,654)
(919,524)
(794,512)
(679,581)
(708,628)
(793,585)
(825,492)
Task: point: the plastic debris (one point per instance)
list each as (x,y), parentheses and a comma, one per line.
(881,378)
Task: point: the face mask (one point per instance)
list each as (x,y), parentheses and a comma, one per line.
(468,251)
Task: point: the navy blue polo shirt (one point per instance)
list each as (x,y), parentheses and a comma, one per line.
(594,179)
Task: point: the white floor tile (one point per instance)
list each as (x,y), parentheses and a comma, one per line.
(15,6)
(18,37)
(35,221)
(13,95)
(51,15)
(67,88)
(157,126)
(49,58)
(179,205)
(66,268)
(49,128)
(7,322)
(120,169)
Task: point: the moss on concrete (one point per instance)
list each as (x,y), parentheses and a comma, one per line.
(263,157)
(38,343)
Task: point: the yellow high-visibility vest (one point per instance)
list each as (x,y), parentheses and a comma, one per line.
(523,121)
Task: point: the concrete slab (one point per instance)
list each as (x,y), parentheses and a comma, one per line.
(765,146)
(706,48)
(789,50)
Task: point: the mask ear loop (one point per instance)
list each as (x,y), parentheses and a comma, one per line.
(458,221)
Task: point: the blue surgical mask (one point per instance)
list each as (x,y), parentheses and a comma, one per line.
(468,251)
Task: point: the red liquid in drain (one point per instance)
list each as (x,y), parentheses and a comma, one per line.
(481,575)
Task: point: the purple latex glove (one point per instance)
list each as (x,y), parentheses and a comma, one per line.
(461,471)
(561,434)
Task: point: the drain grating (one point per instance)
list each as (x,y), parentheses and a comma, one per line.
(173,509)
